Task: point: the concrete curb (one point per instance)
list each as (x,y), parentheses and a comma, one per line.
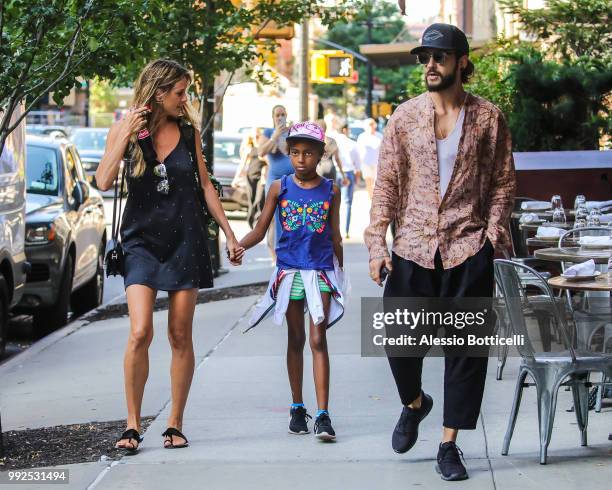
(17,361)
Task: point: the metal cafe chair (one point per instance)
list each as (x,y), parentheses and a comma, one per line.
(537,306)
(594,313)
(549,370)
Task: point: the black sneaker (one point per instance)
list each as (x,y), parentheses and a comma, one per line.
(323,429)
(449,466)
(297,421)
(406,430)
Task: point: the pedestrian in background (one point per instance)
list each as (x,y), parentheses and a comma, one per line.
(252,170)
(274,149)
(308,270)
(163,233)
(349,155)
(446,177)
(368,143)
(330,163)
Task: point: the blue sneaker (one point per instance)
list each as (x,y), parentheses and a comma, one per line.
(298,423)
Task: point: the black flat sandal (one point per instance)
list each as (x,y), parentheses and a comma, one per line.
(129,435)
(171,431)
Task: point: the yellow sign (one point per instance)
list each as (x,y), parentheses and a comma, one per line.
(381,109)
(331,66)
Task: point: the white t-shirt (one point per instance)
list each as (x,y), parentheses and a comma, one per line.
(447,153)
(349,155)
(369,145)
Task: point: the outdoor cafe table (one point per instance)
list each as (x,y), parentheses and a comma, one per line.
(602,283)
(573,254)
(534,226)
(544,242)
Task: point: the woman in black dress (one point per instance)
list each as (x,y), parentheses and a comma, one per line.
(162,234)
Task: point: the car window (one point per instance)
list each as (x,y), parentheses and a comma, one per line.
(41,170)
(227,149)
(90,140)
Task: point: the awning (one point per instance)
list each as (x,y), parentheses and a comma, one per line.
(397,54)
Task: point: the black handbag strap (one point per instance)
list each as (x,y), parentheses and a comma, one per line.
(188,134)
(117,209)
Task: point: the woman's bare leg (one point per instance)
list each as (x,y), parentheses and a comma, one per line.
(136,360)
(180,323)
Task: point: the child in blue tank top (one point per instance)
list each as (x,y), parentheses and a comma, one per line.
(308,273)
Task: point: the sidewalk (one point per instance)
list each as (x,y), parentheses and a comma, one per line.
(237,413)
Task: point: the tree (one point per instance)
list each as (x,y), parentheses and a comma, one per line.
(572,28)
(215,37)
(388,24)
(45,45)
(562,83)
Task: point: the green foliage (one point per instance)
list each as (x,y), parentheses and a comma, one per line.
(101,96)
(387,25)
(559,106)
(552,93)
(45,45)
(573,28)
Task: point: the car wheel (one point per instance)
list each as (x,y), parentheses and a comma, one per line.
(4,306)
(48,319)
(91,294)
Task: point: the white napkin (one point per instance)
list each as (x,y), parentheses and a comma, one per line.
(584,269)
(549,231)
(595,240)
(605,218)
(535,205)
(597,204)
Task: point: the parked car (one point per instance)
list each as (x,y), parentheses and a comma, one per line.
(53,131)
(13,265)
(227,160)
(65,235)
(90,143)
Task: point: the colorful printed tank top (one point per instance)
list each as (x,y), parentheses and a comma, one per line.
(305,240)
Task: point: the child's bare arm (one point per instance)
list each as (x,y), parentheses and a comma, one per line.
(335,226)
(263,223)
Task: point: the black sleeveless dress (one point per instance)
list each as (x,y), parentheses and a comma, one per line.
(163,235)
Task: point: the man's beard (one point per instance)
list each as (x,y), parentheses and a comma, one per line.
(445,82)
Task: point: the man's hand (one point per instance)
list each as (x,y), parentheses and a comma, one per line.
(376,266)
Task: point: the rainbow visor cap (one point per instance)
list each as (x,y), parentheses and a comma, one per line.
(307,130)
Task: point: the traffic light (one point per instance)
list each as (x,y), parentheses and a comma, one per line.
(330,66)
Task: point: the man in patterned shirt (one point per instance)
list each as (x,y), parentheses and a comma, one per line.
(446,179)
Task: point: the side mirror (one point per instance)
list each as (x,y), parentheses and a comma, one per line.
(78,196)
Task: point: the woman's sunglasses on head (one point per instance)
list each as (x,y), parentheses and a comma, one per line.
(163,185)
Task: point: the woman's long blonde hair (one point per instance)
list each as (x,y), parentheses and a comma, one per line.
(161,75)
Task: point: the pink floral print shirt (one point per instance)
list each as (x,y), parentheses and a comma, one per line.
(479,198)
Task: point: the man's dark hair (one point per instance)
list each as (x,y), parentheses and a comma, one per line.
(467,72)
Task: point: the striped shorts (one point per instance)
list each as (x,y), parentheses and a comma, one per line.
(297,287)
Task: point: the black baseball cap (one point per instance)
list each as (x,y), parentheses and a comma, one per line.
(443,36)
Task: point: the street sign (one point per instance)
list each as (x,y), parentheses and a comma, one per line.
(331,66)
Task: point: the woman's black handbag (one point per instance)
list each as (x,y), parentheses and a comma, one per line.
(113,258)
